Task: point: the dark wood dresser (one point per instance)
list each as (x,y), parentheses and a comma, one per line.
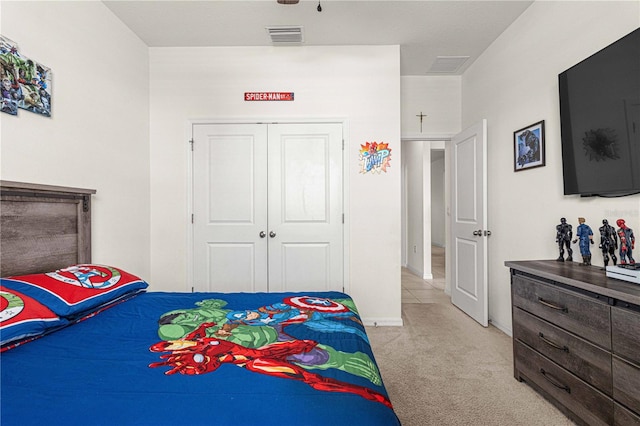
(576,339)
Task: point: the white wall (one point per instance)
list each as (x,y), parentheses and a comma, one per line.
(412,157)
(359,84)
(513,84)
(98,134)
(438,198)
(439,98)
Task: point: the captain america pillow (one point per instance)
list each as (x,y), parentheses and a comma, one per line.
(22,317)
(78,289)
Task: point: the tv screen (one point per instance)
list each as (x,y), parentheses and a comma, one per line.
(600,121)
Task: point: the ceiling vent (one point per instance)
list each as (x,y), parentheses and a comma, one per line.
(447,64)
(286,35)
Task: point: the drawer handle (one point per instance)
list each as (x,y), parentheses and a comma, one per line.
(554,382)
(553,344)
(552,305)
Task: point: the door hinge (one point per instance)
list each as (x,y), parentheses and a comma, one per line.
(191,143)
(342,218)
(343,144)
(192,218)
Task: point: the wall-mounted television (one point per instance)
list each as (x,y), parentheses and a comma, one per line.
(600,121)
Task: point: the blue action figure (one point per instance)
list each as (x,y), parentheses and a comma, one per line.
(585,235)
(563,238)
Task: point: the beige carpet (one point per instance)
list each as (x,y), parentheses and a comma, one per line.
(442,368)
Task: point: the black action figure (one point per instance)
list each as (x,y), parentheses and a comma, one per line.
(563,238)
(608,242)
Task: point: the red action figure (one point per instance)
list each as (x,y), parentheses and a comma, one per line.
(627,242)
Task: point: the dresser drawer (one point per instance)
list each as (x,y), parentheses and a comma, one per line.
(583,316)
(624,417)
(586,402)
(626,384)
(625,335)
(587,361)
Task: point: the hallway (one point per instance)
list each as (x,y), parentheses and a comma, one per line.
(417,290)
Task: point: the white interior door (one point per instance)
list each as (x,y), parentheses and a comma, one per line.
(268,212)
(305,207)
(230,201)
(469,288)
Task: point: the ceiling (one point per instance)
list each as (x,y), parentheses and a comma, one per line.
(424,29)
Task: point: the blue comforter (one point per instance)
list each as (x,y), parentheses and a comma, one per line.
(201,359)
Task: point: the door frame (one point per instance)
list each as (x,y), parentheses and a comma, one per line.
(446,138)
(269,120)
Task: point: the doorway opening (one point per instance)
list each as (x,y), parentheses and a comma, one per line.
(424,223)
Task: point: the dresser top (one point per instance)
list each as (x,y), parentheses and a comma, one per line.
(590,278)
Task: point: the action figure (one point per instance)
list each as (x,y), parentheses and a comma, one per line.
(608,242)
(627,242)
(585,235)
(563,238)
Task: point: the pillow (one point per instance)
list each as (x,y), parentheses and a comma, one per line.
(78,289)
(21,317)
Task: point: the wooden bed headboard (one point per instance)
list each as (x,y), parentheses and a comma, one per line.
(43,227)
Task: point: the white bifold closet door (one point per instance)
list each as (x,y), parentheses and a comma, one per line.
(268,211)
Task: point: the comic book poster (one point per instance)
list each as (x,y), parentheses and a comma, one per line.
(10,88)
(26,84)
(375,157)
(35,82)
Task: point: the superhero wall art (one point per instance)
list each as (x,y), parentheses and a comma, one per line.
(375,157)
(26,84)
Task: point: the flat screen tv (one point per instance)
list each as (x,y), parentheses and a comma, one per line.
(600,121)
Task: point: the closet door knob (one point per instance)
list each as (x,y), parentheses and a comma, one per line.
(272,234)
(262,234)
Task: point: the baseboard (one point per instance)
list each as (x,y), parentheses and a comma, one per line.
(419,274)
(383,322)
(505,330)
(414,271)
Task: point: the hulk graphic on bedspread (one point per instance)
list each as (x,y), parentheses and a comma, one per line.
(248,329)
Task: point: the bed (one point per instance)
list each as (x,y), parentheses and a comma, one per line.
(88,344)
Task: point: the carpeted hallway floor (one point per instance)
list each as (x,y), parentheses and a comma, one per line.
(443,368)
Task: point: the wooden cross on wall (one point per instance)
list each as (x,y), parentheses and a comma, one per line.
(421,115)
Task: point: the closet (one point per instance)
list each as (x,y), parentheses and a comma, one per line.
(268,207)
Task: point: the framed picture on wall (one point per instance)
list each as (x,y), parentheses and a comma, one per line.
(35,87)
(25,82)
(528,147)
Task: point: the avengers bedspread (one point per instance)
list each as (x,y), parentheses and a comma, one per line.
(201,359)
